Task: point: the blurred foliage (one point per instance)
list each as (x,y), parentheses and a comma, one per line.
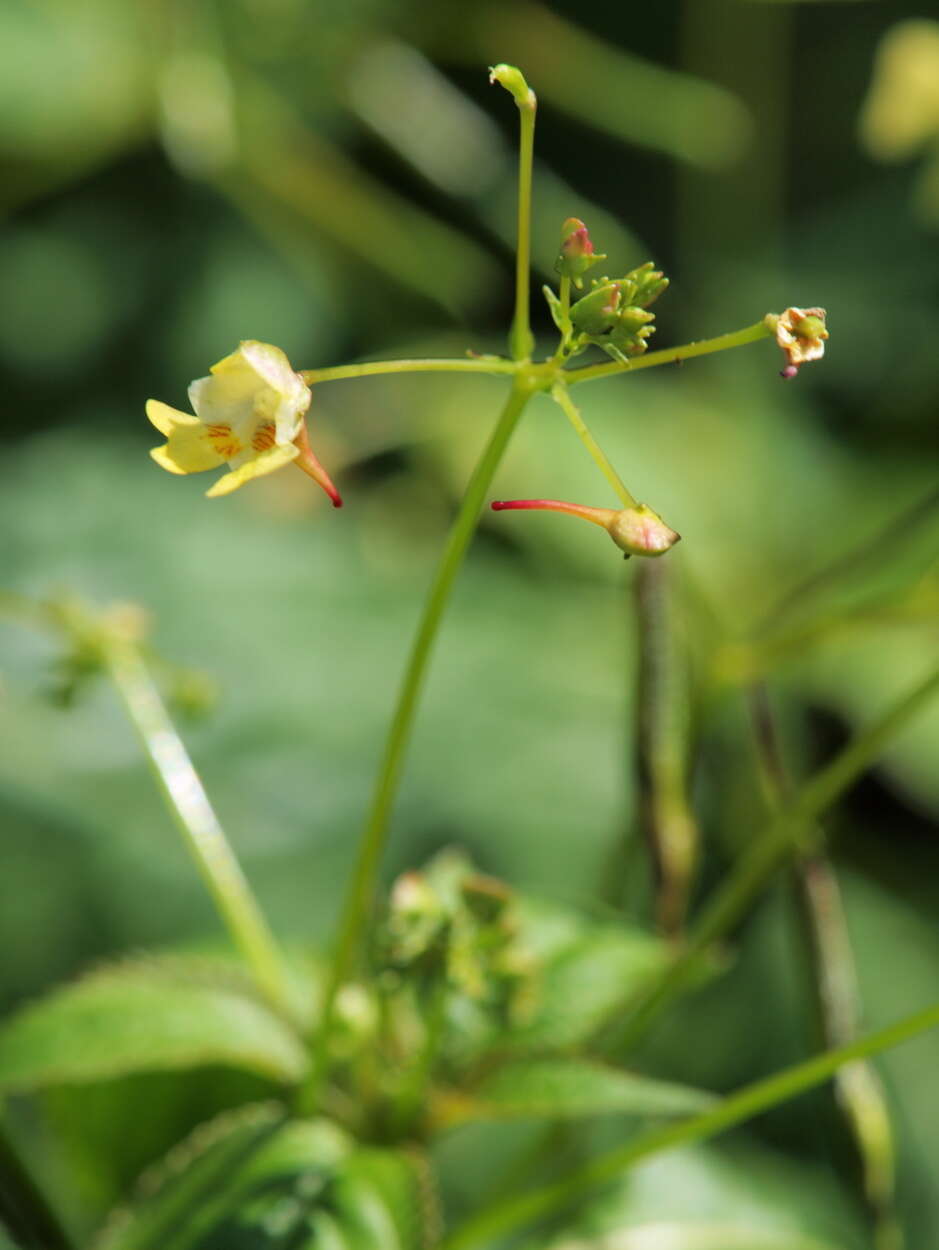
(335,178)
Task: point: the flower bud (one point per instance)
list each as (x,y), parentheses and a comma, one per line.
(648,284)
(596,313)
(576,255)
(636,530)
(514,82)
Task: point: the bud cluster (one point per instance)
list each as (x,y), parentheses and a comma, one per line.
(613,313)
(453,920)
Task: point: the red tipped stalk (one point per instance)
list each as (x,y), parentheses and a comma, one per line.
(310,465)
(599,516)
(638,531)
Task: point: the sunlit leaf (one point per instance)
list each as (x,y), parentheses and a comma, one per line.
(146,1014)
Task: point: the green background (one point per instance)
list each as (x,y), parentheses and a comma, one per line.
(338,179)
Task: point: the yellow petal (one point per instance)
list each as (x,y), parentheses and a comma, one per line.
(165,418)
(189,449)
(163,460)
(266,462)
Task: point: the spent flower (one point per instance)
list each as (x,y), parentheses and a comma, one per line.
(249,414)
(801,333)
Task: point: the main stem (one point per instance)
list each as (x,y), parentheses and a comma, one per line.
(492,1224)
(521,339)
(196,820)
(359,895)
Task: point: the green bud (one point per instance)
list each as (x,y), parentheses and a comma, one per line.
(641,532)
(648,283)
(597,312)
(514,82)
(576,255)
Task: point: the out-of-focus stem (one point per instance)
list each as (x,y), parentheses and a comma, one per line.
(358,900)
(194,817)
(491,1224)
(858,1088)
(786,834)
(662,735)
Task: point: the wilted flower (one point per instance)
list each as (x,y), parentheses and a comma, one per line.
(637,530)
(801,334)
(249,414)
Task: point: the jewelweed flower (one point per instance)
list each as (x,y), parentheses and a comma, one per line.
(249,414)
(638,531)
(801,334)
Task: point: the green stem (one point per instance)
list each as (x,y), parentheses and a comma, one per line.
(359,894)
(23,1206)
(561,397)
(411,1097)
(370,368)
(790,830)
(672,355)
(195,818)
(514,1213)
(521,339)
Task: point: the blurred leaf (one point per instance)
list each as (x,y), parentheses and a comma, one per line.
(583,982)
(569,1089)
(301,170)
(608,87)
(756,1199)
(74,88)
(146,1014)
(256,1180)
(698,1236)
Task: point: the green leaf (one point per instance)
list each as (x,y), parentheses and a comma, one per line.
(586,979)
(743,1197)
(145,1015)
(255,1180)
(569,1089)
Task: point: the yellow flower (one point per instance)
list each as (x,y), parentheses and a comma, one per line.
(249,414)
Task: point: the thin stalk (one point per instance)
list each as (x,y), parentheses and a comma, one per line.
(194,817)
(561,397)
(788,832)
(521,339)
(830,962)
(361,886)
(516,1212)
(371,368)
(672,355)
(23,1206)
